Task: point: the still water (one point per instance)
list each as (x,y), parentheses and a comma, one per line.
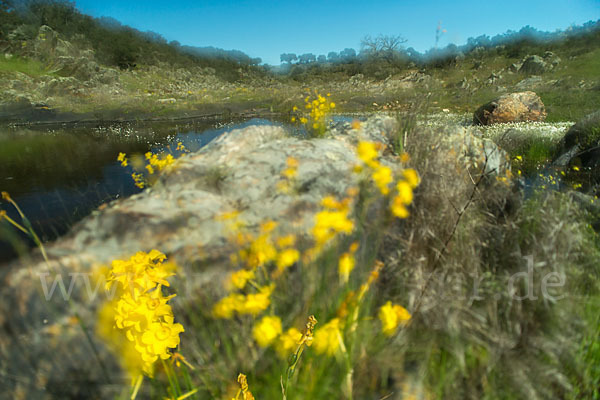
(58,175)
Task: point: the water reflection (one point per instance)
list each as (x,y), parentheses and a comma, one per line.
(59,175)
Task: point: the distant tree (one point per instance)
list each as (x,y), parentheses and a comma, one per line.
(255,61)
(333,57)
(307,58)
(348,55)
(288,57)
(154,37)
(383,47)
(322,59)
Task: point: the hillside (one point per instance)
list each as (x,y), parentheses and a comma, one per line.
(61,65)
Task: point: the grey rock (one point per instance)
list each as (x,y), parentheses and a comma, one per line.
(534,65)
(530,83)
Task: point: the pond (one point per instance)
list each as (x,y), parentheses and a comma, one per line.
(58,175)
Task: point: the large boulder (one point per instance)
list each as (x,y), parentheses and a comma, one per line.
(512,107)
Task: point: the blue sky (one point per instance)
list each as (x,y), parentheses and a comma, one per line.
(267,28)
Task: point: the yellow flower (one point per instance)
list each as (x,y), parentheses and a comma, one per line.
(267,330)
(293,119)
(287,258)
(412,177)
(382,176)
(286,241)
(261,250)
(239,278)
(404,157)
(288,342)
(405,193)
(289,173)
(135,311)
(122,157)
(391,315)
(159,338)
(256,302)
(331,203)
(332,104)
(345,266)
(130,358)
(226,307)
(398,208)
(143,271)
(367,152)
(328,338)
(303,120)
(329,224)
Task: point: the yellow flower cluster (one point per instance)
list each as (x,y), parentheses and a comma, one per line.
(320,107)
(381,174)
(382,177)
(268,332)
(256,253)
(154,161)
(404,193)
(392,315)
(142,311)
(139,180)
(332,221)
(238,279)
(252,303)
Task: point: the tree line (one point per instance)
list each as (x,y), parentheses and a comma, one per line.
(114,44)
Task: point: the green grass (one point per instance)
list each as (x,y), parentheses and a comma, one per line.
(26,66)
